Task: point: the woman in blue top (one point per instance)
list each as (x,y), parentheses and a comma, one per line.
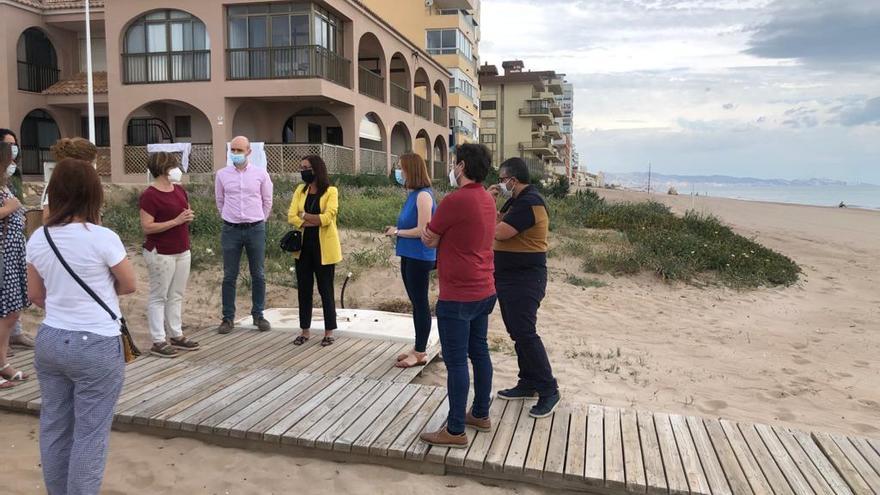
(416,260)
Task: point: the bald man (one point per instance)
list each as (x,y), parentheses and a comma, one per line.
(244,199)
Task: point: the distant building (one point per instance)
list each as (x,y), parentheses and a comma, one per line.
(519,111)
(565,145)
(450,31)
(329,77)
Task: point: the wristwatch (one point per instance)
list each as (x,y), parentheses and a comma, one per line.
(396,232)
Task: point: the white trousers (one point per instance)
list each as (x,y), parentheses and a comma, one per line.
(169,274)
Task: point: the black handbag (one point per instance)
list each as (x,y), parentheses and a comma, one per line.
(129,349)
(292,242)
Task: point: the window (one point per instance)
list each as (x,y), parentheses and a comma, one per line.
(488,123)
(102,130)
(487,138)
(37,61)
(182,126)
(99,55)
(461,84)
(448,42)
(487,105)
(164,46)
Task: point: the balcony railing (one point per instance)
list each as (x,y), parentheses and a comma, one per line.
(440,116)
(201,159)
(439,169)
(286,158)
(140,68)
(536,166)
(423,107)
(400,97)
(371,84)
(537,145)
(375,162)
(102,163)
(535,108)
(36,78)
(289,62)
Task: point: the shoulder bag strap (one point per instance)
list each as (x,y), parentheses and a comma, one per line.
(76,277)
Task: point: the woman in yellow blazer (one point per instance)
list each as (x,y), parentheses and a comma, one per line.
(313,211)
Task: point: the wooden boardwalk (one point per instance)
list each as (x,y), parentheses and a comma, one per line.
(347,402)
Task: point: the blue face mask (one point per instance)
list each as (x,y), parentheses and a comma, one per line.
(237,159)
(398,176)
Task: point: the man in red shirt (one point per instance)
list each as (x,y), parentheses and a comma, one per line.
(463,231)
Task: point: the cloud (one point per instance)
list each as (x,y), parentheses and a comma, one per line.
(821,32)
(729,106)
(867,113)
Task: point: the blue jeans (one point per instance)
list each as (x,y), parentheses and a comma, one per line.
(233,240)
(416,276)
(463,334)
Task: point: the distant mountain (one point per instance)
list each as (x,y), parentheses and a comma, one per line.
(639,180)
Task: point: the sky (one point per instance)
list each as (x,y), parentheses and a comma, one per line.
(749,88)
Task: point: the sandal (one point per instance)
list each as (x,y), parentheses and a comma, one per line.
(419,362)
(302,339)
(327,341)
(6,384)
(163,350)
(18,376)
(184,344)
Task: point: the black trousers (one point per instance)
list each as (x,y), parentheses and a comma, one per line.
(416,279)
(519,296)
(308,269)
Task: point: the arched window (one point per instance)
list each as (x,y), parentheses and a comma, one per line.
(166,46)
(37,61)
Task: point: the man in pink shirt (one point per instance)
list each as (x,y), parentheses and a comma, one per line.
(244,199)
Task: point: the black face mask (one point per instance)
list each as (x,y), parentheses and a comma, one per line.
(308,176)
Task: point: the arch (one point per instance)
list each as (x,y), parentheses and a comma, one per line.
(440,157)
(37,61)
(372,68)
(441,104)
(400,82)
(401,139)
(165,46)
(422,146)
(373,144)
(312,125)
(168,121)
(422,94)
(39,131)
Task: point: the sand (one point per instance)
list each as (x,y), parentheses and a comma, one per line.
(803,356)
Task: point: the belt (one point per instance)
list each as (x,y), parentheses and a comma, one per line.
(242,225)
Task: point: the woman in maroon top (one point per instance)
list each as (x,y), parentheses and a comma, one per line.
(165,219)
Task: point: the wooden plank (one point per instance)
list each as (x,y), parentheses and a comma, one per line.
(368,359)
(410,374)
(474,457)
(364,415)
(775,478)
(369,348)
(655,477)
(224,410)
(795,478)
(406,443)
(615,477)
(871,456)
(343,356)
(554,466)
(503,436)
(192,414)
(378,437)
(288,404)
(739,485)
(160,397)
(328,413)
(329,353)
(594,470)
(577,446)
(386,368)
(418,449)
(275,433)
(841,464)
(675,474)
(250,426)
(632,452)
(141,413)
(537,455)
(838,485)
(874,442)
(371,421)
(690,459)
(871,477)
(160,418)
(252,410)
(708,458)
(803,462)
(522,438)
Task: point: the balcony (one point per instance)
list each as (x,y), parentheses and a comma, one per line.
(36,78)
(543,95)
(289,62)
(201,159)
(139,68)
(537,110)
(553,131)
(371,84)
(456,4)
(536,166)
(541,146)
(375,162)
(400,97)
(555,85)
(423,107)
(556,110)
(440,116)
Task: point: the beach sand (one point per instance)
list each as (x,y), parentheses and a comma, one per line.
(803,356)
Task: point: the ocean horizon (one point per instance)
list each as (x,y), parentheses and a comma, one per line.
(853,196)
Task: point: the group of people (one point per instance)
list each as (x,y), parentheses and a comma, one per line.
(75,270)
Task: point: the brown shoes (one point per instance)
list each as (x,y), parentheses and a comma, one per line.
(226,327)
(479,424)
(442,438)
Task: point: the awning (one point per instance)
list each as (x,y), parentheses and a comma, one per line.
(370,130)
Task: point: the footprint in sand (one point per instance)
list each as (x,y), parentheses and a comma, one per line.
(870,404)
(865,429)
(784,415)
(799,360)
(800,346)
(860,364)
(711,406)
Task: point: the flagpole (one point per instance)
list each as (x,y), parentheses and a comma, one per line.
(89,81)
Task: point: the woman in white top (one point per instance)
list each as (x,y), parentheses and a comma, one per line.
(78,356)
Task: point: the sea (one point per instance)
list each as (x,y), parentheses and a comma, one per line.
(853,196)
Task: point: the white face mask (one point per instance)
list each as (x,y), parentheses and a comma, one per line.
(175,174)
(14,151)
(10,170)
(505,191)
(453,179)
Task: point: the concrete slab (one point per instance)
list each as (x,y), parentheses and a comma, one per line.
(360,323)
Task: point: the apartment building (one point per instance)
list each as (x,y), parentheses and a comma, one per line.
(204,71)
(450,31)
(565,145)
(518,115)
